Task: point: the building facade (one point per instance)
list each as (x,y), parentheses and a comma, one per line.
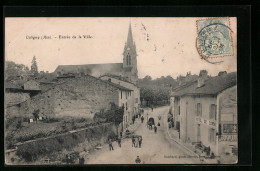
(133,100)
(206,111)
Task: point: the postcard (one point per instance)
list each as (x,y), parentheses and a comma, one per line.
(120,90)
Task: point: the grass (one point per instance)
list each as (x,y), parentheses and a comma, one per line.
(19,131)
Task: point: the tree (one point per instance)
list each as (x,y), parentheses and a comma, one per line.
(34,67)
(13,70)
(203,73)
(115,114)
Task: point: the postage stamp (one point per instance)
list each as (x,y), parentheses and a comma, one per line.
(214,38)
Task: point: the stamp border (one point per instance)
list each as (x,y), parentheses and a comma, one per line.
(230,35)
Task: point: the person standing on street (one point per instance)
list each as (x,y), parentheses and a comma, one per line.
(140,141)
(133,141)
(133,119)
(142,119)
(119,141)
(81,160)
(138,160)
(155,129)
(110,144)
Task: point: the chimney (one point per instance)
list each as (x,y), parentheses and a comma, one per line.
(200,82)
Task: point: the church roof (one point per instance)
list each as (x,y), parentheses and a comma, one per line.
(92,69)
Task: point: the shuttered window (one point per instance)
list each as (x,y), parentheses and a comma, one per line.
(213,112)
(199,109)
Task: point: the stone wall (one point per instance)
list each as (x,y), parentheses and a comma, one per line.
(83,96)
(80,140)
(12,98)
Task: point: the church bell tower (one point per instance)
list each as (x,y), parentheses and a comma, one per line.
(130,61)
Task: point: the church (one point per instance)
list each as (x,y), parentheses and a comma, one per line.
(126,71)
(121,74)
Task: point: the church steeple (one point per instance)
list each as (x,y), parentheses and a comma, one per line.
(130,61)
(130,41)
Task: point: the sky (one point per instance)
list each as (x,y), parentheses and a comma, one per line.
(165,46)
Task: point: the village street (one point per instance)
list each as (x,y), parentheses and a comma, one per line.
(157,148)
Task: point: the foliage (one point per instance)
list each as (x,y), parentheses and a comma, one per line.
(19,124)
(34,67)
(115,114)
(152,97)
(12,70)
(34,150)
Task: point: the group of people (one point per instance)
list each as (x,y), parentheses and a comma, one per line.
(137,141)
(111,144)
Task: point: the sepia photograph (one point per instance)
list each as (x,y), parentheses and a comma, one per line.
(120,90)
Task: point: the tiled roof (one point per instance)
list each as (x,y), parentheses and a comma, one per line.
(91,69)
(118,86)
(10,85)
(117,77)
(212,86)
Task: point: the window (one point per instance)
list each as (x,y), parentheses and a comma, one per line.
(126,105)
(199,109)
(211,135)
(128,59)
(136,100)
(213,111)
(179,109)
(121,94)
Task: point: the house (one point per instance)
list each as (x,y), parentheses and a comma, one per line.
(19,90)
(14,94)
(135,95)
(128,68)
(205,111)
(77,97)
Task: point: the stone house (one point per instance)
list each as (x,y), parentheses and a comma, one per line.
(206,111)
(77,97)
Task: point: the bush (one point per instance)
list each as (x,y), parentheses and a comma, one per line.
(115,114)
(19,124)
